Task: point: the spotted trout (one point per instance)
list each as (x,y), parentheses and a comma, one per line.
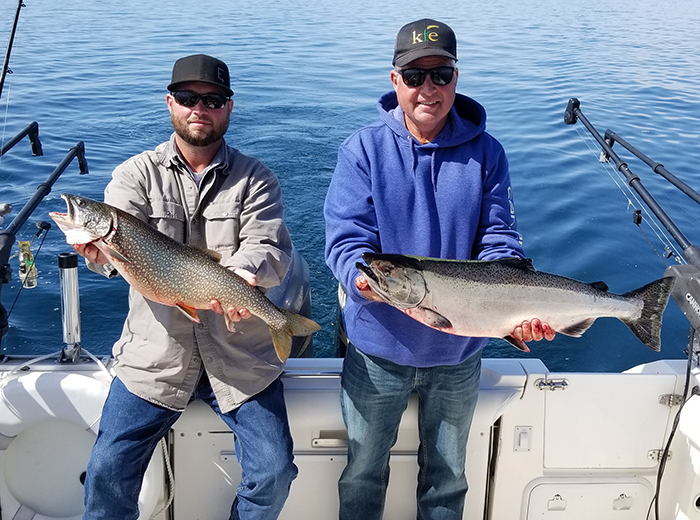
(492,298)
(171,273)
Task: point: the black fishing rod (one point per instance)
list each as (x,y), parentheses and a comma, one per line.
(31,130)
(7,235)
(691,252)
(686,292)
(612,138)
(6,62)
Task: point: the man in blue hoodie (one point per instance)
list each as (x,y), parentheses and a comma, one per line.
(425,180)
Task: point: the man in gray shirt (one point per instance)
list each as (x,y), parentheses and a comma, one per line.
(199,191)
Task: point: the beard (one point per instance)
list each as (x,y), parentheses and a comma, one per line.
(200,137)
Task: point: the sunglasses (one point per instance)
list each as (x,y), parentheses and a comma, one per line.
(416,77)
(187,98)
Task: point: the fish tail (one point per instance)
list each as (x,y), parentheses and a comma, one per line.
(647,327)
(294,325)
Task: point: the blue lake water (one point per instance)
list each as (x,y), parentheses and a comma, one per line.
(307,74)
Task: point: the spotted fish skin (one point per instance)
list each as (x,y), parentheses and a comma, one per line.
(491,298)
(171,273)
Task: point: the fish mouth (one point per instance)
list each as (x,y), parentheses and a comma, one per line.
(396,278)
(68,217)
(367,272)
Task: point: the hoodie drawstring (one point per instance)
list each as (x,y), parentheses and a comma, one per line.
(414,158)
(433,161)
(433,169)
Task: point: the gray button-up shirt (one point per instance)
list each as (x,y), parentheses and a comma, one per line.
(235,211)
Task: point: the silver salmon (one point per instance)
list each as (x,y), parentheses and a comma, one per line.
(491,298)
(171,273)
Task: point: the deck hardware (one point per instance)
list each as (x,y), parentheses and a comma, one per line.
(557,503)
(552,384)
(523,438)
(228,456)
(671,399)
(657,454)
(330,439)
(622,503)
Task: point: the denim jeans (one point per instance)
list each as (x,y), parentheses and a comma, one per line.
(374,395)
(131,427)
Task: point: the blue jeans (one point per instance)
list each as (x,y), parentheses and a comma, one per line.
(374,395)
(131,427)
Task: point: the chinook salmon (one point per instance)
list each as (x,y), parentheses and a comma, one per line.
(171,273)
(491,298)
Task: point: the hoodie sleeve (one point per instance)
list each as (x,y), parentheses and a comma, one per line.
(351,222)
(498,236)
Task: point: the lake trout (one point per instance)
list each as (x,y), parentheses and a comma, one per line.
(171,273)
(491,298)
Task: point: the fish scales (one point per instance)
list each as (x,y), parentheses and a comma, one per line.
(171,273)
(492,298)
(164,281)
(514,295)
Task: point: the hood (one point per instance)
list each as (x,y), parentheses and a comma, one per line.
(466,120)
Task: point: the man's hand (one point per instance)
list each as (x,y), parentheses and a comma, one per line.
(365,290)
(534,330)
(91,253)
(235,314)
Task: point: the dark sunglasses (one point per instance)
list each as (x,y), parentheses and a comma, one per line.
(416,77)
(187,98)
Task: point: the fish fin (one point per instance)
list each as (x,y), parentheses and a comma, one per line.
(517,343)
(295,325)
(517,263)
(577,329)
(190,312)
(655,297)
(601,286)
(213,255)
(282,341)
(429,317)
(116,254)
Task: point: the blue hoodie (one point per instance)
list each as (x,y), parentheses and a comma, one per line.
(450,198)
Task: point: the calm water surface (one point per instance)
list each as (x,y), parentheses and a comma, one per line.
(307,74)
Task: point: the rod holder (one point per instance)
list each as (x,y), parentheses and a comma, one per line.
(70,306)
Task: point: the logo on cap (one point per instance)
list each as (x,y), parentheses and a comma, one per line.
(427,36)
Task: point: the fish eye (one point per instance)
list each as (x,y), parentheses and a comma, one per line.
(81,202)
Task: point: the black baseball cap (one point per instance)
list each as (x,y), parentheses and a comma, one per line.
(424,38)
(200,67)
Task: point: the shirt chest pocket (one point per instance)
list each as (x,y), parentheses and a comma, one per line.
(168,217)
(222,225)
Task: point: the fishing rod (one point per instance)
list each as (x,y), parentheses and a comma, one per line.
(686,292)
(5,65)
(32,131)
(656,167)
(690,252)
(7,235)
